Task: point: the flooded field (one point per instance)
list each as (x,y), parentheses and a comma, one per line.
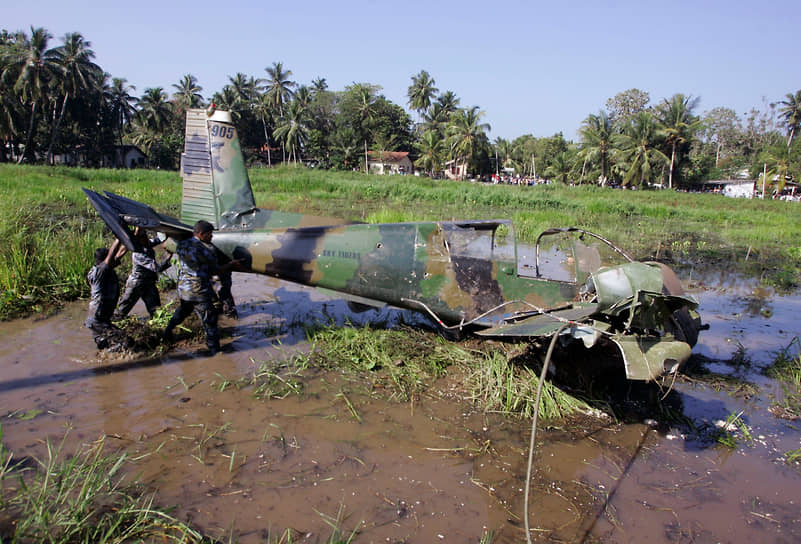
(432,470)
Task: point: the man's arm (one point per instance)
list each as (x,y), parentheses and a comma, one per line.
(116,251)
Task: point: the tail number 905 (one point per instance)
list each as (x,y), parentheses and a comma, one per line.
(222,131)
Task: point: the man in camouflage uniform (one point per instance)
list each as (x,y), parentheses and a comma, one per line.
(198,264)
(105,290)
(142,280)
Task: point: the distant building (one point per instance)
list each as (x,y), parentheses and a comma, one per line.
(125,156)
(735,188)
(389,162)
(120,156)
(455,170)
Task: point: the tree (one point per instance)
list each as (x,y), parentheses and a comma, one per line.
(264,111)
(421,91)
(722,127)
(626,105)
(596,140)
(464,132)
(790,113)
(291,130)
(679,125)
(187,92)
(560,167)
(321,122)
(77,73)
(503,153)
(279,88)
(346,148)
(358,111)
(156,112)
(448,102)
(319,85)
(637,148)
(523,155)
(776,161)
(31,65)
(10,107)
(431,149)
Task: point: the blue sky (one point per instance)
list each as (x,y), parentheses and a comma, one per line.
(532,67)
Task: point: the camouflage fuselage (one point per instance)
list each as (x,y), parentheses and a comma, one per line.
(404,264)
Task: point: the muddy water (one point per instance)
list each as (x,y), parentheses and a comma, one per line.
(429,471)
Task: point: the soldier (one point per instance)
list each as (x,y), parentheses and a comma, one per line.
(142,280)
(105,290)
(198,264)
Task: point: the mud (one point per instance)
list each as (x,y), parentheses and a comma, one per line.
(433,470)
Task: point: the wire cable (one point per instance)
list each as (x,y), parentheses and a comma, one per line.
(531,445)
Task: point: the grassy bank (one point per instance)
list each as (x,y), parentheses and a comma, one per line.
(49,229)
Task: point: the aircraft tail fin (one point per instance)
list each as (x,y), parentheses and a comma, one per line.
(216,186)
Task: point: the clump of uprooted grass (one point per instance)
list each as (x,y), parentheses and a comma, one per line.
(499,385)
(404,360)
(786,368)
(404,363)
(80,498)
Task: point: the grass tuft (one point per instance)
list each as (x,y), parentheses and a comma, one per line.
(84,497)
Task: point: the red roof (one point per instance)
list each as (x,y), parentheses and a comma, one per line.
(388,156)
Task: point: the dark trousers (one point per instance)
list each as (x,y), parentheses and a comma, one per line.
(139,286)
(208,316)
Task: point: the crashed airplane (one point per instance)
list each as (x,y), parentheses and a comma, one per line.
(468,276)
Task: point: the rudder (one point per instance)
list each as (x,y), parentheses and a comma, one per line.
(216,186)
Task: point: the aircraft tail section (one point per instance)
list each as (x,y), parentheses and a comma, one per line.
(216,186)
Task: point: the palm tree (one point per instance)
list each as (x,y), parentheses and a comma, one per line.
(77,73)
(777,160)
(560,167)
(464,131)
(421,91)
(362,104)
(345,144)
(679,125)
(292,131)
(596,140)
(431,148)
(503,152)
(10,111)
(637,147)
(187,92)
(790,112)
(155,112)
(319,85)
(227,99)
(32,66)
(244,89)
(279,88)
(264,110)
(121,103)
(449,102)
(303,96)
(435,118)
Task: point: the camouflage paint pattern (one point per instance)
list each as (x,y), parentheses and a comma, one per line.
(463,274)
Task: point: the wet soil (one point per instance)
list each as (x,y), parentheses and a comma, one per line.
(431,470)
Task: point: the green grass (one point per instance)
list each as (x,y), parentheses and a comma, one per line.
(49,229)
(500,386)
(66,499)
(786,369)
(401,364)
